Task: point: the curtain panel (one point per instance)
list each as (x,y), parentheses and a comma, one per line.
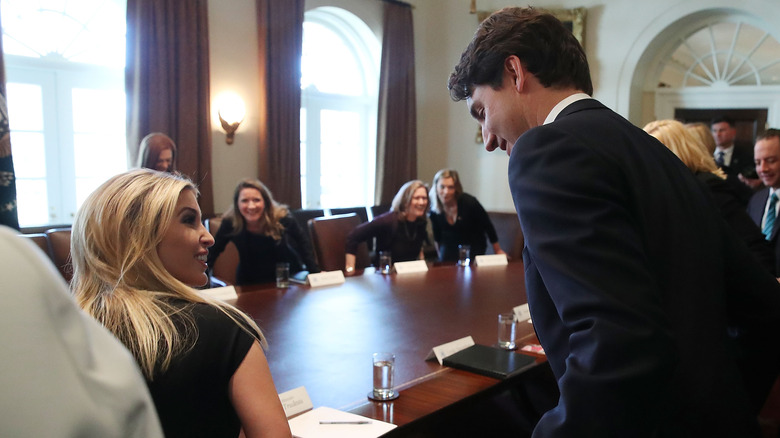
(280,27)
(397,113)
(8,208)
(167,84)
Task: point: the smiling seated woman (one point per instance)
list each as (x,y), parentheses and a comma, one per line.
(264,233)
(139,248)
(402,230)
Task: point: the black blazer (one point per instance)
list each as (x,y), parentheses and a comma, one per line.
(755,210)
(632,278)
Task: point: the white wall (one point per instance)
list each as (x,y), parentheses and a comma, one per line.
(617,35)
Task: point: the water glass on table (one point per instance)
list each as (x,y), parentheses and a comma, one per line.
(507,331)
(464,255)
(385,262)
(283,275)
(384,372)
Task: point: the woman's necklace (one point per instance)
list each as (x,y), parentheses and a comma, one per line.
(413,235)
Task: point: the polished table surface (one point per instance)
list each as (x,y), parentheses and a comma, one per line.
(323,338)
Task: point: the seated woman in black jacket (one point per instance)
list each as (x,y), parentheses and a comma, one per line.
(459,219)
(264,233)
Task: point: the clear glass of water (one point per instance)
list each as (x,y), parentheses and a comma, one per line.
(385,262)
(384,370)
(464,255)
(282,275)
(507,331)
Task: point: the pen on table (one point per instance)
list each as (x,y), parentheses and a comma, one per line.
(345,422)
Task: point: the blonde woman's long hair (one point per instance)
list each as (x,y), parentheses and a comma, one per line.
(272,213)
(119,278)
(688,148)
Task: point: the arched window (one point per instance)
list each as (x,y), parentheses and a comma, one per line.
(339,81)
(66,104)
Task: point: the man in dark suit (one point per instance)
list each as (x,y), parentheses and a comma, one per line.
(763,205)
(735,160)
(632,277)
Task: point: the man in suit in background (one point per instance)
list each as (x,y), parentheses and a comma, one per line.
(736,161)
(631,277)
(763,205)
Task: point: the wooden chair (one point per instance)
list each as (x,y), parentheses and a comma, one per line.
(376,210)
(360,211)
(510,236)
(224,269)
(302,216)
(39,239)
(329,237)
(58,240)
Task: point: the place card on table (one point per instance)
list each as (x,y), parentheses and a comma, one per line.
(522,313)
(295,401)
(221,293)
(328,278)
(325,422)
(491,260)
(409,267)
(444,350)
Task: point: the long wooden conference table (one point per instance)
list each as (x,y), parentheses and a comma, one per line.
(323,338)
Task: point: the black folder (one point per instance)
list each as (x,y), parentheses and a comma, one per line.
(490,361)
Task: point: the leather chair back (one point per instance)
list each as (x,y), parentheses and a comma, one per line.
(225,265)
(360,211)
(510,236)
(329,237)
(59,250)
(39,239)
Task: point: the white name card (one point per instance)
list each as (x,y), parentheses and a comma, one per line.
(522,313)
(221,293)
(444,350)
(409,267)
(328,278)
(295,401)
(491,260)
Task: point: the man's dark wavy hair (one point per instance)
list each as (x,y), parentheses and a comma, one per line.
(547,49)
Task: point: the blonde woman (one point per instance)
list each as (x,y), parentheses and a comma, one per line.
(402,230)
(695,156)
(138,248)
(264,233)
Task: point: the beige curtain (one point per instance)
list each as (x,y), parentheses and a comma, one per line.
(397,114)
(167,84)
(280,27)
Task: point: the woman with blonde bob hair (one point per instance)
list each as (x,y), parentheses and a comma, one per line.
(138,248)
(695,156)
(403,230)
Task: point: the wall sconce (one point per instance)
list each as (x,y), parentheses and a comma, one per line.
(231,112)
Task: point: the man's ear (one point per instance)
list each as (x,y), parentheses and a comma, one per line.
(514,68)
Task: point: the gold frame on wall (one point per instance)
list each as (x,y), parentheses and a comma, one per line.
(572,18)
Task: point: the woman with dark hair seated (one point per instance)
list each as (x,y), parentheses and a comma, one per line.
(402,230)
(264,233)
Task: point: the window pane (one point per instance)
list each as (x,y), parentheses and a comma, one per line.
(328,63)
(96,110)
(28,154)
(32,202)
(25,107)
(342,163)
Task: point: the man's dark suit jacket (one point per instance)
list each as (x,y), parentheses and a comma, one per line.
(756,211)
(741,162)
(632,279)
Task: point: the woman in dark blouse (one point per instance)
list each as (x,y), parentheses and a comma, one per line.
(264,234)
(459,219)
(402,230)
